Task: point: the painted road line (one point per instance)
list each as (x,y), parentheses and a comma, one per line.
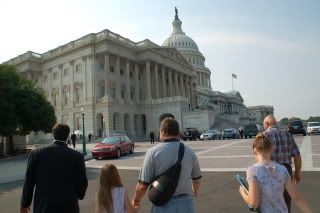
(219,147)
(226,156)
(306,154)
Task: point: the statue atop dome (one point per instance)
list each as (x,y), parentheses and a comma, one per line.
(176,16)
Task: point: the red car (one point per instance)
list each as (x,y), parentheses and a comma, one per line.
(113,146)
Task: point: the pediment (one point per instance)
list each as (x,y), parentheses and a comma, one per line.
(173,53)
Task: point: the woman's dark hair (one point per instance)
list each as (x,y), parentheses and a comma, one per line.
(61,132)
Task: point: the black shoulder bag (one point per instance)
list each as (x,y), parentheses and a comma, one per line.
(163,187)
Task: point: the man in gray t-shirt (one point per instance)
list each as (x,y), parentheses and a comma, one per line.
(160,158)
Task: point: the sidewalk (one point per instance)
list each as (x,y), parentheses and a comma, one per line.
(14,168)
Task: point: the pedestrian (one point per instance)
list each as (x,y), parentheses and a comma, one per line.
(68,142)
(284,148)
(89,137)
(56,175)
(267,181)
(112,196)
(152,137)
(241,132)
(156,162)
(73,139)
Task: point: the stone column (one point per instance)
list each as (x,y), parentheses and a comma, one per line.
(201,83)
(107,75)
(61,86)
(156,79)
(176,86)
(148,80)
(128,86)
(191,93)
(164,85)
(85,80)
(170,83)
(72,83)
(118,76)
(187,88)
(136,83)
(183,91)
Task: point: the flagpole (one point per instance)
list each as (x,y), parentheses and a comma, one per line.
(232,83)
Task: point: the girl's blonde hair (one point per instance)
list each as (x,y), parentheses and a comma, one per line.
(261,143)
(109,178)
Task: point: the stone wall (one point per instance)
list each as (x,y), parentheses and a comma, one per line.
(201,119)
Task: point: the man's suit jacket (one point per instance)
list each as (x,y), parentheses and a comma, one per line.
(58,175)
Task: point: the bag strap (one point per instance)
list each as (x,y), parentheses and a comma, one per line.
(181,152)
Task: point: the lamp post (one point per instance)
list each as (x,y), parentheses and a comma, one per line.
(84,135)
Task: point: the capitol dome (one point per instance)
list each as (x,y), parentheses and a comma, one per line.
(190,51)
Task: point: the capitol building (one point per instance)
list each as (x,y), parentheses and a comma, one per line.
(124,85)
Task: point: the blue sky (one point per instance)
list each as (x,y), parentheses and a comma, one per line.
(273,46)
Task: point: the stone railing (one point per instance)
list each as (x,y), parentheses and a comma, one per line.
(26,56)
(85,40)
(169,99)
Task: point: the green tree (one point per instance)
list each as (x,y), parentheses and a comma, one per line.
(23,106)
(284,121)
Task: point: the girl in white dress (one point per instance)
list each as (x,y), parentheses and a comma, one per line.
(112,197)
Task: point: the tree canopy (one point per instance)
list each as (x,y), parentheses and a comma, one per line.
(23,106)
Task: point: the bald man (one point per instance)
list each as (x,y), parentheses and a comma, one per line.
(284,148)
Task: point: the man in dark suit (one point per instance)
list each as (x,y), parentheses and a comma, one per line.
(73,139)
(58,175)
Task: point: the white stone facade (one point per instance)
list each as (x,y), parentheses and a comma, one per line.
(124,86)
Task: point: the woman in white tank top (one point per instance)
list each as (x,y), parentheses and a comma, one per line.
(112,197)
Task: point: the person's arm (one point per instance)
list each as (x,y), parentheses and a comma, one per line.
(127,204)
(297,166)
(82,180)
(195,187)
(298,199)
(29,183)
(295,153)
(141,189)
(251,197)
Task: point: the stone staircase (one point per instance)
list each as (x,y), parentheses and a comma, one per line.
(223,123)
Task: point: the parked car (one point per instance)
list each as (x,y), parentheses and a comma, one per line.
(211,134)
(191,134)
(230,133)
(296,127)
(251,130)
(313,128)
(113,146)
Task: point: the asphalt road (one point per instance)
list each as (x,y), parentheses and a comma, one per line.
(218,193)
(219,160)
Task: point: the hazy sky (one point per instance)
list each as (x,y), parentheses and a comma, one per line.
(273,46)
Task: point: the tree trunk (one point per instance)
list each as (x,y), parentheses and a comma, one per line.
(10,145)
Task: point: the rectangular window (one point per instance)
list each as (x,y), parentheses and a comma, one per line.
(132,93)
(78,68)
(111,69)
(77,94)
(131,75)
(45,78)
(55,75)
(66,72)
(121,71)
(122,92)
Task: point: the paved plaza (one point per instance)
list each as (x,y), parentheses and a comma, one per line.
(220,160)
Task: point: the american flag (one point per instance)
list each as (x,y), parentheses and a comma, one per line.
(234,75)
